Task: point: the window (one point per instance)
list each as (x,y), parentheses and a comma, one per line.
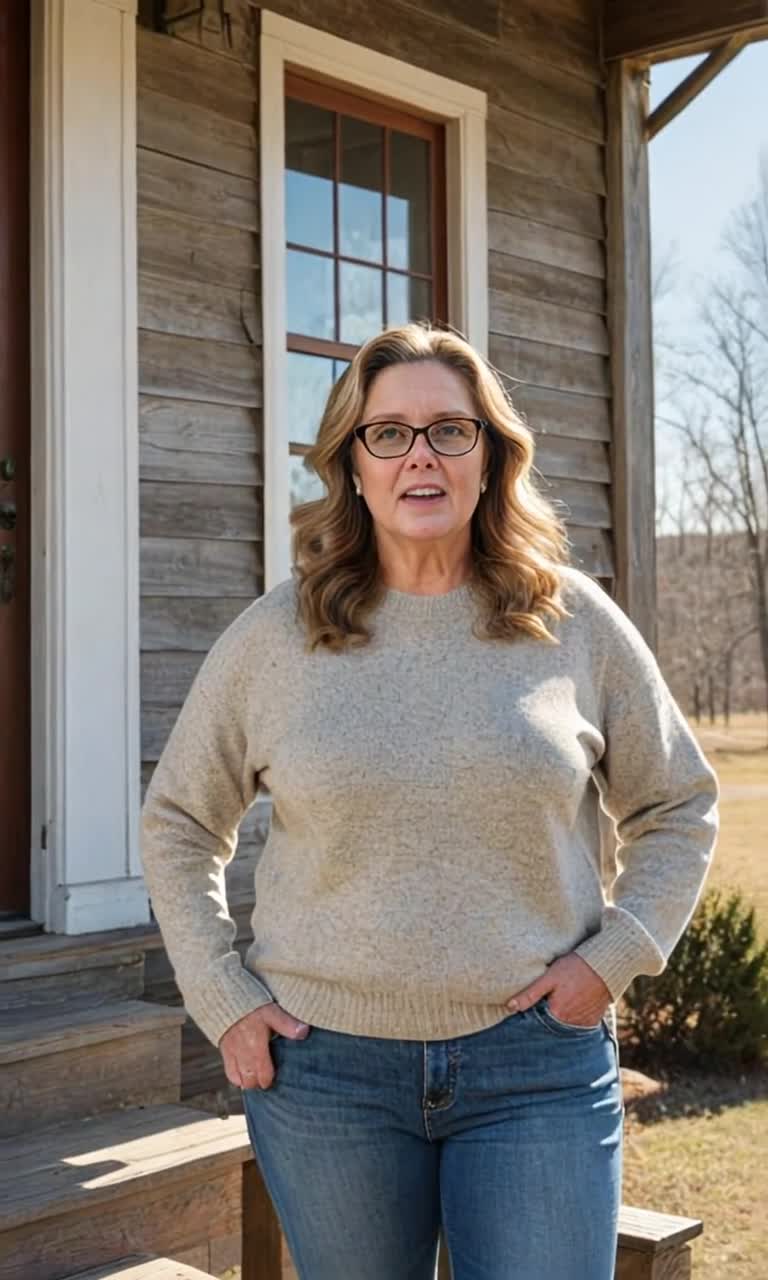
(289,48)
(364,241)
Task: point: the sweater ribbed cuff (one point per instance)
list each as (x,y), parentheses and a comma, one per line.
(224,998)
(620,950)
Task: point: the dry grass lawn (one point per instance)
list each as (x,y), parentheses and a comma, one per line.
(702,1149)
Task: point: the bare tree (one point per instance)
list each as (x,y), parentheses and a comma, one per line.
(721,412)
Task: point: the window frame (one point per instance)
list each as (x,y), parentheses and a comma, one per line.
(289,47)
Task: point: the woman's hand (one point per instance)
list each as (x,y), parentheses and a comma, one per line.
(580,995)
(245,1046)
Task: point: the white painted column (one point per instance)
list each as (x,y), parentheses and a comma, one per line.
(86,872)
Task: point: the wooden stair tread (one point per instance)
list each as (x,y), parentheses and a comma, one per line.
(42,1029)
(650,1232)
(143,1268)
(101,1159)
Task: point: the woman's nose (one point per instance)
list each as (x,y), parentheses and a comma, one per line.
(421,450)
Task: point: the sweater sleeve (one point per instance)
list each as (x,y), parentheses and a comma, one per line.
(657,786)
(205,781)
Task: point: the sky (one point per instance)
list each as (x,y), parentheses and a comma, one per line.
(703,165)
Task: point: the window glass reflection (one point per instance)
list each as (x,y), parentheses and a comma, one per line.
(407,299)
(408,229)
(361,302)
(310,294)
(361,188)
(305,484)
(308,175)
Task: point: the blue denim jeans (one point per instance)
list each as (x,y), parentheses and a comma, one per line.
(509,1139)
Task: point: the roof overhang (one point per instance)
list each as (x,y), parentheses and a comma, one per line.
(661,29)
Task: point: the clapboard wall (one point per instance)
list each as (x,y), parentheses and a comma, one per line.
(201,499)
(199,369)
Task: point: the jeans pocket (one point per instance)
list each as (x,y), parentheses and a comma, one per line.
(548,1019)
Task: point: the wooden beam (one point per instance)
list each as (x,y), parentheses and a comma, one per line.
(629,321)
(693,84)
(645,28)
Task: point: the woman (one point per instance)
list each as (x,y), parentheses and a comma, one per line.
(439,705)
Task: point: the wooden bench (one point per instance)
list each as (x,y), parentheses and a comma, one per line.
(652,1246)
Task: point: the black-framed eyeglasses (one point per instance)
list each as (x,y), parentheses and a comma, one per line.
(449,436)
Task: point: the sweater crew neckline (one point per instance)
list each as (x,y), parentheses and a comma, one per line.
(414,606)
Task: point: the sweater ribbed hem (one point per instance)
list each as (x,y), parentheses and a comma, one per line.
(620,950)
(390,1015)
(224,999)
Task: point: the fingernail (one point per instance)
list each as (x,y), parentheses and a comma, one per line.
(301,1028)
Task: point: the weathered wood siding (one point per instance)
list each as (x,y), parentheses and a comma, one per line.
(538,61)
(199,370)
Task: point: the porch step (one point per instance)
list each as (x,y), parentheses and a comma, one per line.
(143,1269)
(156,1180)
(50,967)
(15,926)
(77,1059)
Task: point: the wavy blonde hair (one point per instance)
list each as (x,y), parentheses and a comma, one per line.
(518,541)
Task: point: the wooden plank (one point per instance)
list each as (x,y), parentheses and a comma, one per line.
(629,319)
(142,1069)
(533,240)
(61,984)
(166,678)
(538,321)
(231,512)
(533,89)
(156,726)
(219,372)
(580,502)
(560,457)
(173,245)
(146,1268)
(638,28)
(35,1032)
(196,76)
(508,273)
(138,1149)
(189,624)
(674,1264)
(231,30)
(548,366)
(483,17)
(169,1219)
(565,34)
(262,1248)
(190,132)
(592,551)
(200,567)
(181,186)
(562,414)
(529,147)
(651,1232)
(207,443)
(694,84)
(527,196)
(196,310)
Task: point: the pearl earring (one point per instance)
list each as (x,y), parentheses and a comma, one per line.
(483,486)
(358,490)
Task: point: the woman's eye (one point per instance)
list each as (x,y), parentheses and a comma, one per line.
(388,432)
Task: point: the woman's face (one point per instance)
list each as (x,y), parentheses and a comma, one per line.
(419,394)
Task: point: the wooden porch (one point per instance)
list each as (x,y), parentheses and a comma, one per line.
(128,1169)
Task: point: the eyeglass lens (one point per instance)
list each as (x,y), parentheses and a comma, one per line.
(450,436)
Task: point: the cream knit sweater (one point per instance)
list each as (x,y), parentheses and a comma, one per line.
(435,841)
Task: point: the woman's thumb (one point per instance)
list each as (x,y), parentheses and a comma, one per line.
(287,1025)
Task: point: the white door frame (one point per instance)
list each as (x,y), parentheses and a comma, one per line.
(86,870)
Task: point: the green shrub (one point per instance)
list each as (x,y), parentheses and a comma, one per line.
(709,1009)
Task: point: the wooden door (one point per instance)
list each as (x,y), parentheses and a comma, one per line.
(14,459)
